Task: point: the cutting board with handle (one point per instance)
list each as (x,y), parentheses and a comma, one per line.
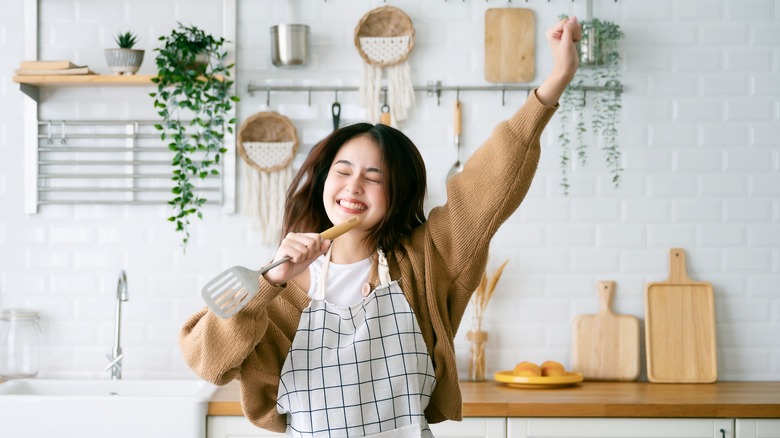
(509,45)
(680,327)
(606,344)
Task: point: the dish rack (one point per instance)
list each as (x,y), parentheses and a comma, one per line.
(109,162)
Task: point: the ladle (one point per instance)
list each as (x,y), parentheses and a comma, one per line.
(457,167)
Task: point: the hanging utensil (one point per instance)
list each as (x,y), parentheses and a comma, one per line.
(335,111)
(457,167)
(231,290)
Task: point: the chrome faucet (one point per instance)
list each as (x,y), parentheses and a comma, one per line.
(116,356)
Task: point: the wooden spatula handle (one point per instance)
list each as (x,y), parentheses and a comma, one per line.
(336,231)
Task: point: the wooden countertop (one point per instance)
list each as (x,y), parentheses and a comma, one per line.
(595,399)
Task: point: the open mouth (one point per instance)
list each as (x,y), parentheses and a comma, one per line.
(352,205)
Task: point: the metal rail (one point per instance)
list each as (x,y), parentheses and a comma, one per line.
(432,89)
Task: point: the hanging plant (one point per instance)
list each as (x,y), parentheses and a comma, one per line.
(600,65)
(194,100)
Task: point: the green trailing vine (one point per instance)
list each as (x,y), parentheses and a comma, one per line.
(600,67)
(194,100)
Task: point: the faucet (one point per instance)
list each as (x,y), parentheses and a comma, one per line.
(116,356)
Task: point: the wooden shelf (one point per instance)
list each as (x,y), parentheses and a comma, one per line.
(84,80)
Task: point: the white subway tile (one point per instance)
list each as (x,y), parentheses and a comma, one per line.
(747,210)
(671,185)
(744,312)
(647,59)
(646,211)
(765,84)
(674,84)
(761,235)
(724,85)
(697,110)
(719,236)
(697,211)
(545,211)
(764,286)
(570,235)
(747,260)
(723,185)
(621,235)
(757,110)
(647,110)
(750,60)
(671,235)
(47,259)
(650,160)
(697,10)
(697,160)
(594,260)
(731,135)
(749,9)
(720,34)
(764,34)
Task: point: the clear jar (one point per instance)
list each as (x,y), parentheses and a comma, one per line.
(20,343)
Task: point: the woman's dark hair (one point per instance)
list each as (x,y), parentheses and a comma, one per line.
(404,185)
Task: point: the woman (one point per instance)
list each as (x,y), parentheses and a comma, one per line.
(354,337)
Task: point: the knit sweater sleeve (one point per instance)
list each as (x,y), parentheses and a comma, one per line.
(250,346)
(494,181)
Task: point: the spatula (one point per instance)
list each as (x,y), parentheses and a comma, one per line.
(231,290)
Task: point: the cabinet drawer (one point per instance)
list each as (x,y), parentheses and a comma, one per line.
(619,427)
(758,428)
(473,427)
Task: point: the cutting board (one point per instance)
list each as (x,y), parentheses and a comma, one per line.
(680,327)
(509,45)
(606,345)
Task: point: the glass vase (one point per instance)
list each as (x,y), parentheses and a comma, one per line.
(477,357)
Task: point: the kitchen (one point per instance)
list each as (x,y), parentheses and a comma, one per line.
(699,133)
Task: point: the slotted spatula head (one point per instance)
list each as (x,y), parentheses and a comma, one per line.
(231,290)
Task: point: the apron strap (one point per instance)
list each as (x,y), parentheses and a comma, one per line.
(383,268)
(319,293)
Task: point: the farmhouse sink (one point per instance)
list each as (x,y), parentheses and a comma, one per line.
(104,408)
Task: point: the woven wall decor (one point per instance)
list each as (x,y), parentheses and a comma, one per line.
(384,37)
(267,142)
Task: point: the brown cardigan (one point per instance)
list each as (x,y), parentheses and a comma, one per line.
(439,267)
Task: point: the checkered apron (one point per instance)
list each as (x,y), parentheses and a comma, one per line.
(358,371)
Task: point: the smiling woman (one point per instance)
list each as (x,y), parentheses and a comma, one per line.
(372,311)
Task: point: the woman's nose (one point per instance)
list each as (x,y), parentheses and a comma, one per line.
(354,185)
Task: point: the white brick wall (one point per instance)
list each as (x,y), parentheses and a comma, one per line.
(700,136)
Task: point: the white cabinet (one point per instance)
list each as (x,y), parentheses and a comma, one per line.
(619,427)
(472,427)
(499,427)
(749,428)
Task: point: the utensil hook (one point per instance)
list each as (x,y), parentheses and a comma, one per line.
(268,97)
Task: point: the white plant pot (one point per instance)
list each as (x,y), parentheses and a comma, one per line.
(124,61)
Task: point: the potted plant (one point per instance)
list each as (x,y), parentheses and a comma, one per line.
(600,65)
(125,59)
(195,102)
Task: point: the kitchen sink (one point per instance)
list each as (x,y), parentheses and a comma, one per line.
(104,408)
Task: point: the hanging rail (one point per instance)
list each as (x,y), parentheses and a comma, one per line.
(432,89)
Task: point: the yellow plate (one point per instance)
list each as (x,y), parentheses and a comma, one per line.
(538,382)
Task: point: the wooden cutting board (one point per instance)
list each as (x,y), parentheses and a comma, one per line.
(606,345)
(509,45)
(680,327)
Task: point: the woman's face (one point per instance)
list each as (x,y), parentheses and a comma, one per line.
(355,184)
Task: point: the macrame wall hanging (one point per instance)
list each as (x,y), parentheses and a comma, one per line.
(267,142)
(384,37)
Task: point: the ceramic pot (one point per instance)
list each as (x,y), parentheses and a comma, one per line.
(124,61)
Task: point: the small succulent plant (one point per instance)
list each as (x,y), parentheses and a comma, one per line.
(126,40)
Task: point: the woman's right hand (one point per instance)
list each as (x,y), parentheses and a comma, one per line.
(562,39)
(303,249)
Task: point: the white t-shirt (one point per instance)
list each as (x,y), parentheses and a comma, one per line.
(345,282)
